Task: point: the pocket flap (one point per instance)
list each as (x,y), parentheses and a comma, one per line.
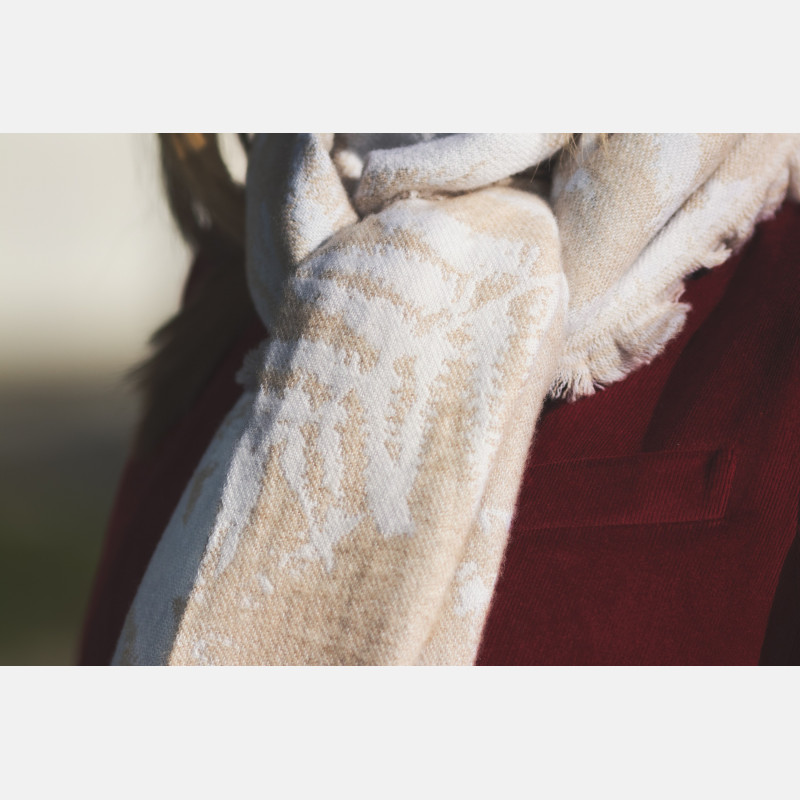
(660,487)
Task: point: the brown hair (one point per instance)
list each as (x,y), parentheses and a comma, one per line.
(208,207)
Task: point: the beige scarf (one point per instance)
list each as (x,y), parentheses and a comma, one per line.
(424,294)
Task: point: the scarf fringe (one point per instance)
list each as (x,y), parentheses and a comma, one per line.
(612,355)
(594,361)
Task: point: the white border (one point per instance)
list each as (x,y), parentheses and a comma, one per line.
(613,66)
(548,732)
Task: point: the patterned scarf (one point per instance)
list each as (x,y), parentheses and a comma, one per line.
(424,295)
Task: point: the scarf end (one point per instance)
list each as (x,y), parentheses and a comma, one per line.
(592,362)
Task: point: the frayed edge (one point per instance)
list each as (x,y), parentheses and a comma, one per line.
(594,360)
(610,357)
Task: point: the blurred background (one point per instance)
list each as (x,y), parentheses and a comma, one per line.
(90,265)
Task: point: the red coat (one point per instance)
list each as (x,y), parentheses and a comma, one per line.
(657,520)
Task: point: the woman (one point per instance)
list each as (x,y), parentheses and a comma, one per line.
(401,315)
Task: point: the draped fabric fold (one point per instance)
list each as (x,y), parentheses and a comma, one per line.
(424,294)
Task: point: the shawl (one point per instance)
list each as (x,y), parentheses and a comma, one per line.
(424,294)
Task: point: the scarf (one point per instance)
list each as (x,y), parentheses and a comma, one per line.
(424,295)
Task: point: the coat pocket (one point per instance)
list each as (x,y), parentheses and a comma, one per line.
(644,488)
